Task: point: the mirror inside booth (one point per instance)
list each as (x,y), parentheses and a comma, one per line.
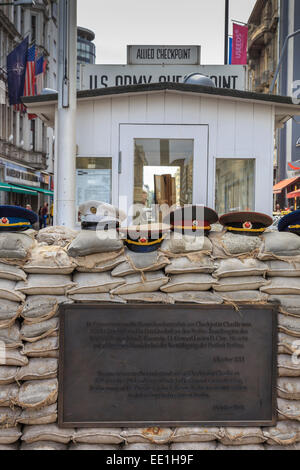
(163,176)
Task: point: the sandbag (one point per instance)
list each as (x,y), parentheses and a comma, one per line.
(241,436)
(47,347)
(96,298)
(283,268)
(93,283)
(287,344)
(14,273)
(14,446)
(240,448)
(98,435)
(9,310)
(37,393)
(8,290)
(194,297)
(9,416)
(289,304)
(88,242)
(280,245)
(13,357)
(154,435)
(36,331)
(195,434)
(231,284)
(176,243)
(8,394)
(148,282)
(49,260)
(287,367)
(183,265)
(283,434)
(38,368)
(56,235)
(281,448)
(135,263)
(10,435)
(38,308)
(16,245)
(81,447)
(289,325)
(7,374)
(212,445)
(45,284)
(144,446)
(189,282)
(288,409)
(244,296)
(45,415)
(289,388)
(43,446)
(282,285)
(235,267)
(10,320)
(11,337)
(99,262)
(47,432)
(149,297)
(230,244)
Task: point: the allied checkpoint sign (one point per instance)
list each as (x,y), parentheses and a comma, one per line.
(167,365)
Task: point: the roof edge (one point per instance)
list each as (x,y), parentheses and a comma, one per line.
(183,87)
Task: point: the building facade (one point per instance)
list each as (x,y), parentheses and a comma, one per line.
(263,44)
(27,145)
(290,73)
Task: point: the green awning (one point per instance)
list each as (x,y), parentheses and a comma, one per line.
(47,192)
(16,189)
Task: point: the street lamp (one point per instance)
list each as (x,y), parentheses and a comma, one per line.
(19,3)
(295,33)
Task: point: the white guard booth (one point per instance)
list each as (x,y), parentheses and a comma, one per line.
(174,143)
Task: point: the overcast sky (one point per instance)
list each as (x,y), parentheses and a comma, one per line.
(117,23)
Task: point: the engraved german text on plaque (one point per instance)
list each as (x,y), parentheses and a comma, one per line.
(142,365)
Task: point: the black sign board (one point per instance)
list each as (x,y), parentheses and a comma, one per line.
(167,365)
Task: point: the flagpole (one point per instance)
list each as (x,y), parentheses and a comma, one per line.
(64,205)
(226,32)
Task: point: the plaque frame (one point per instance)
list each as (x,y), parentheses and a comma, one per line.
(232,423)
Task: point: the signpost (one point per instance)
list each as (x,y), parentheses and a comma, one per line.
(136,365)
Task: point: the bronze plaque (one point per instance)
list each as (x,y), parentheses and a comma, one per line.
(167,365)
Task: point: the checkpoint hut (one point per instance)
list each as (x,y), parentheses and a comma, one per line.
(174,143)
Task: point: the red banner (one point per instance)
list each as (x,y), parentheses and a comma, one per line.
(239,44)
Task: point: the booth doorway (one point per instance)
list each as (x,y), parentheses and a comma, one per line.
(161,166)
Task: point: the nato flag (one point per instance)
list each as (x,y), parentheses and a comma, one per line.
(16,68)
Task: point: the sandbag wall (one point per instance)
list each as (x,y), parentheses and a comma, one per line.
(39,271)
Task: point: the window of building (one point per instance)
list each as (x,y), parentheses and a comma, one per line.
(32,134)
(33,28)
(93,179)
(163,175)
(235,185)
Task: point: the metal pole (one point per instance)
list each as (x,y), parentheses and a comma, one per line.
(281,58)
(226,32)
(66,114)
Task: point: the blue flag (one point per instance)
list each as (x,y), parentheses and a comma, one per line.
(16,68)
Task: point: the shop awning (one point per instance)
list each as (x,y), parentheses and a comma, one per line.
(47,192)
(277,188)
(16,189)
(293,194)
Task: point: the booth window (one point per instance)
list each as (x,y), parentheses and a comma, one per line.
(93,179)
(163,174)
(235,185)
